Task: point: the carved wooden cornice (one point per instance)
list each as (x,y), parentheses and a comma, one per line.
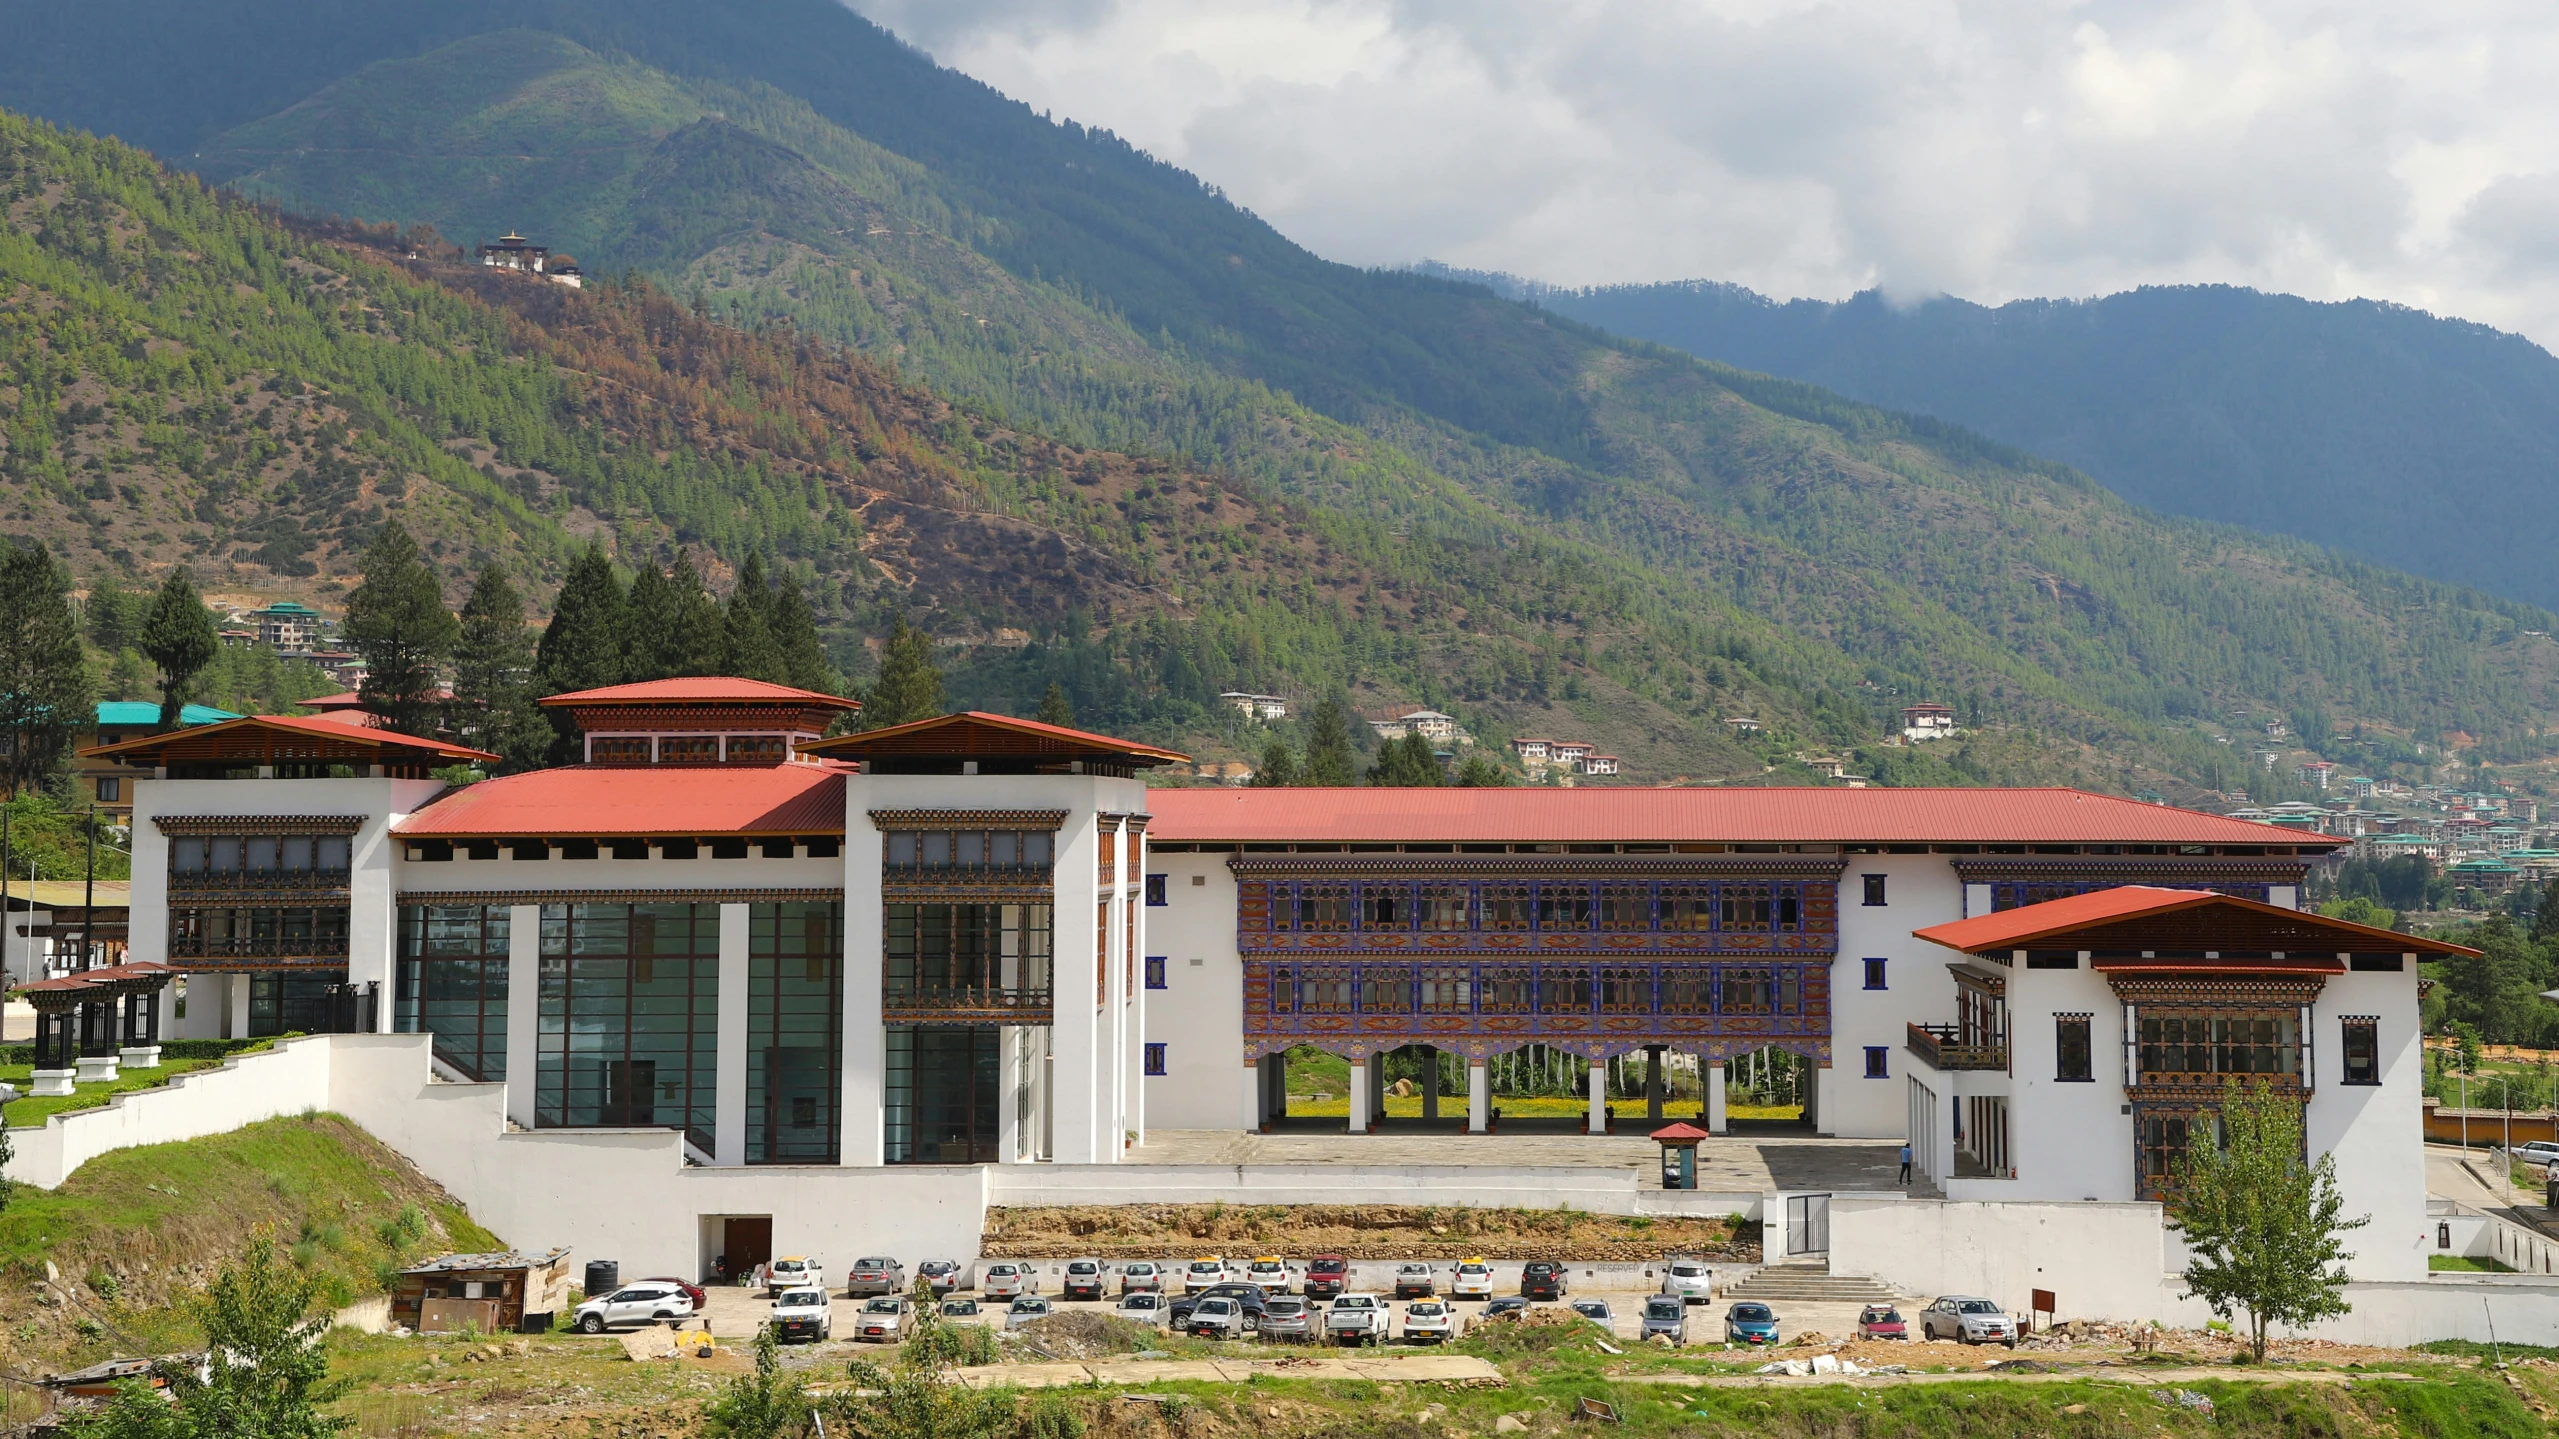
(2208,990)
(889,819)
(296,824)
(621,896)
(1561,866)
(2169,870)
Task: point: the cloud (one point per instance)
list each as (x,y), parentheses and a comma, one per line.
(1997,149)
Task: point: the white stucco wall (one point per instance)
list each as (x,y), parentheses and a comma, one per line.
(2069,1140)
(1198,1015)
(2102,1261)
(1919,890)
(2375,1132)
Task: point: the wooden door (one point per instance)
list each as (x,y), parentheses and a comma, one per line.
(747,1241)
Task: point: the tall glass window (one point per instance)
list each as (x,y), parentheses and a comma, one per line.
(943,1087)
(452,984)
(965,956)
(795,1033)
(629,1017)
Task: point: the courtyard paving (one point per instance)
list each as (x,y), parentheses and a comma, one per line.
(1743,1164)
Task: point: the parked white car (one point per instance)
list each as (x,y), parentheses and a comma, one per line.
(1356,1319)
(2543,1152)
(1968,1319)
(1204,1273)
(793,1271)
(1473,1280)
(1144,1307)
(1688,1280)
(644,1303)
(1270,1273)
(1007,1280)
(1141,1276)
(1429,1321)
(803,1314)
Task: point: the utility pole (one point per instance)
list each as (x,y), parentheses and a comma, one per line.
(5,924)
(89,896)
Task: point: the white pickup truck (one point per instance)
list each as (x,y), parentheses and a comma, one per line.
(1356,1319)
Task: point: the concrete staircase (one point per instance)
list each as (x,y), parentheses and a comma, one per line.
(1807,1282)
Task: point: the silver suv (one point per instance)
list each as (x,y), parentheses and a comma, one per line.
(1968,1319)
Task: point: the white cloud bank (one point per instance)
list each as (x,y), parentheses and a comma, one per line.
(1994,150)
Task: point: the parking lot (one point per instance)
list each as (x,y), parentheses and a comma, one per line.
(737,1313)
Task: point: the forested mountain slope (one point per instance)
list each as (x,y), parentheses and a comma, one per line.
(1711,540)
(2424,443)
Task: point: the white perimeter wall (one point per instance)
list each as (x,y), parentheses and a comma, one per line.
(1919,890)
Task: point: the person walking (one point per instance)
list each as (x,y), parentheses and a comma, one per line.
(1905,1164)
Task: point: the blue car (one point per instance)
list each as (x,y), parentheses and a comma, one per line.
(1750,1324)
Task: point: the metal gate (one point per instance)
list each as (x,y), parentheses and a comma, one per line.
(1807,1224)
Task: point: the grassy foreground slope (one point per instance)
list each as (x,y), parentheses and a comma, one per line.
(96,1267)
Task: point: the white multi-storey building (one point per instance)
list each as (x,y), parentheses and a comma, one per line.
(797,959)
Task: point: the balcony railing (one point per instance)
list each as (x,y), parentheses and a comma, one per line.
(1943,1047)
(258,880)
(957,1004)
(318,946)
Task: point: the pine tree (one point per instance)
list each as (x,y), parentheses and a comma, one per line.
(180,638)
(675,626)
(582,647)
(1055,707)
(1481,772)
(397,620)
(910,684)
(1406,762)
(1279,766)
(794,628)
(493,704)
(45,695)
(647,615)
(1328,747)
(747,648)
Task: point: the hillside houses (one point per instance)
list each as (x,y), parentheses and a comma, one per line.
(1575,757)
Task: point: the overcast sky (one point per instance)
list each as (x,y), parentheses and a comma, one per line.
(1992,150)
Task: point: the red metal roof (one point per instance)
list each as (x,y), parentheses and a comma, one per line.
(1727,815)
(778,799)
(2028,925)
(701,689)
(327,726)
(972,733)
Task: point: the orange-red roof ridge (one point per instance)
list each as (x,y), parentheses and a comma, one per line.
(1033,729)
(580,801)
(698,689)
(328,725)
(1721,814)
(2022,927)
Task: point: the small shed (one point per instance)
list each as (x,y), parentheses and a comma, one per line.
(492,1293)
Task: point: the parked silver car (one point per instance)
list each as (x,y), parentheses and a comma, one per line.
(1689,1280)
(943,1274)
(882,1320)
(1216,1317)
(1968,1319)
(875,1276)
(1666,1314)
(1430,1321)
(1007,1280)
(1286,1317)
(1024,1310)
(1141,1276)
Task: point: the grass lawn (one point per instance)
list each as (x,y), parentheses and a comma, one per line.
(2467,1264)
(29,1112)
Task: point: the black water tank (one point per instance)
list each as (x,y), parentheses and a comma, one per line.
(603,1276)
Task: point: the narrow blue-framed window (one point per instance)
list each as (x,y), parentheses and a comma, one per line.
(1155,1059)
(1155,891)
(1877,1066)
(1875,974)
(1155,971)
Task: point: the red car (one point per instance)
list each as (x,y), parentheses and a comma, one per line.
(1327,1275)
(691,1291)
(1881,1321)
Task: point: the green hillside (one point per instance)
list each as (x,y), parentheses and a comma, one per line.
(1709,540)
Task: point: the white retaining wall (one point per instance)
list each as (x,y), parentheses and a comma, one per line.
(1594,1191)
(2102,1261)
(288,1079)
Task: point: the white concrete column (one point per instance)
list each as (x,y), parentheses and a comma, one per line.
(1256,1095)
(1014,1076)
(1599,1096)
(523,1011)
(1079,1071)
(1716,1121)
(865,1038)
(1820,1097)
(1359,1095)
(1479,1097)
(728,1097)
(236,1025)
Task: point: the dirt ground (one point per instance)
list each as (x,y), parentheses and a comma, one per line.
(1381,1231)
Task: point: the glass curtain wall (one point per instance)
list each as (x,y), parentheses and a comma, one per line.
(291,1002)
(965,955)
(944,1083)
(452,984)
(795,1033)
(629,1017)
